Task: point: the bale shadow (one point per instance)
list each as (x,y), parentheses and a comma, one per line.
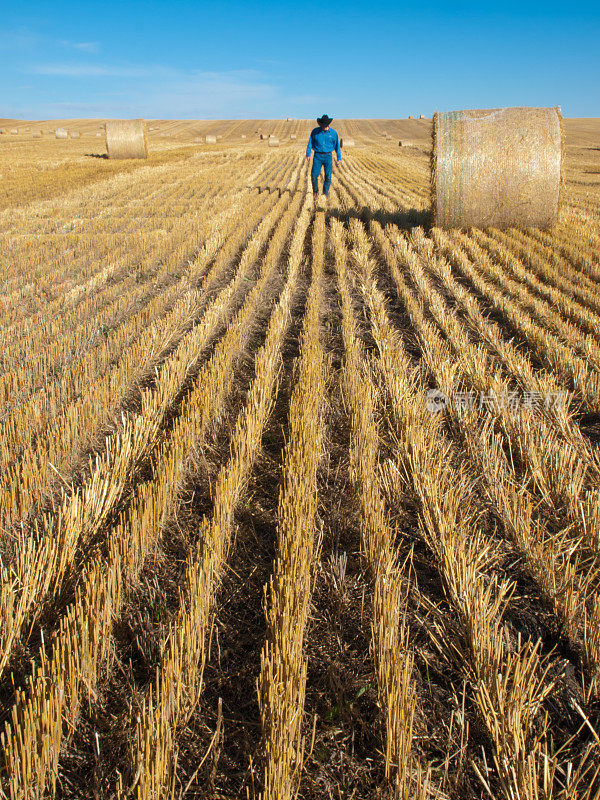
(404,219)
(96,155)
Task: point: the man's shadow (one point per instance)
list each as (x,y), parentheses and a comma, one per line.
(405,219)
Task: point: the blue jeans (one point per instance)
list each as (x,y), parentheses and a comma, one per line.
(321,160)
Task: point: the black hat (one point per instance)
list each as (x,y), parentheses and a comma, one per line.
(324,120)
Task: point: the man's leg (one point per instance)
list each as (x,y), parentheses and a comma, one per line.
(328,164)
(314,173)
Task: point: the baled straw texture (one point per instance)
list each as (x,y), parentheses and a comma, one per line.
(496,168)
(273,142)
(293,135)
(61,133)
(346,142)
(422,116)
(126,138)
(210,139)
(406,143)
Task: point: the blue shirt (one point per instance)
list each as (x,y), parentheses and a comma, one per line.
(324,142)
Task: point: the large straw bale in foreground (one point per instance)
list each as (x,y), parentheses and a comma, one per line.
(497,168)
(126,138)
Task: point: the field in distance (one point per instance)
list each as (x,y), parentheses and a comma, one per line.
(293,500)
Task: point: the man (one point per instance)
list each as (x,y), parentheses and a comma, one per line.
(323,141)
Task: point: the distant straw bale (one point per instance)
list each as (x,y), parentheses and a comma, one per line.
(61,133)
(410,116)
(422,116)
(74,134)
(406,143)
(210,139)
(497,168)
(14,131)
(263,136)
(243,136)
(293,136)
(273,142)
(126,138)
(346,142)
(36,135)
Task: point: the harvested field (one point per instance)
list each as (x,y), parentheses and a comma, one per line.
(294,502)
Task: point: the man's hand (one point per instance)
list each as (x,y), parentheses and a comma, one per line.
(308,158)
(339,163)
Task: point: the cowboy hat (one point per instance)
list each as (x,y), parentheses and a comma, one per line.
(324,120)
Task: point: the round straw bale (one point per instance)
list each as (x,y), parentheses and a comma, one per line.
(293,136)
(126,138)
(2,130)
(98,134)
(346,142)
(263,136)
(497,168)
(406,143)
(422,116)
(273,142)
(61,133)
(410,116)
(272,136)
(14,131)
(210,139)
(243,136)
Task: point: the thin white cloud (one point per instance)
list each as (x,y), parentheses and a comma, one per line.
(161,91)
(82,47)
(96,71)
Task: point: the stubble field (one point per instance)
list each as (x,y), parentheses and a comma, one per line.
(246,550)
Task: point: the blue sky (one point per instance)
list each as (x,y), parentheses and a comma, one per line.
(268,59)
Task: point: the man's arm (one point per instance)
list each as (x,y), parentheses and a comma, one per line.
(310,146)
(338,149)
